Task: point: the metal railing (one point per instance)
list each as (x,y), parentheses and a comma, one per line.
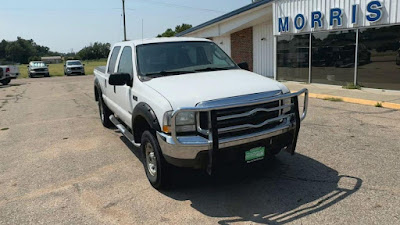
(209,109)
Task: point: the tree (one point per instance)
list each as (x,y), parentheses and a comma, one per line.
(178,29)
(95,51)
(22,51)
(183,27)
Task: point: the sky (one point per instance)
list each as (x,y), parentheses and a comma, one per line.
(70,25)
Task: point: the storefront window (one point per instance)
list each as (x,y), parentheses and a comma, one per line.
(379,57)
(293,57)
(333,57)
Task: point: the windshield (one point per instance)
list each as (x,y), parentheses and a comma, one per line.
(162,59)
(74,63)
(38,64)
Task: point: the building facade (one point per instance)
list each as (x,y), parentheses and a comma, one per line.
(52,59)
(318,41)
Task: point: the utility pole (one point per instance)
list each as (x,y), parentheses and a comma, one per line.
(123,9)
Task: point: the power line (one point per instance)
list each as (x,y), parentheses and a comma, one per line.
(181,6)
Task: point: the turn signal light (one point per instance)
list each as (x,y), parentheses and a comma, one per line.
(166,129)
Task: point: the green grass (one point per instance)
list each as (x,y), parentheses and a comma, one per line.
(379,105)
(333,99)
(352,86)
(58,69)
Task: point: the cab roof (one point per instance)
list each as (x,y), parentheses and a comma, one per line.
(160,40)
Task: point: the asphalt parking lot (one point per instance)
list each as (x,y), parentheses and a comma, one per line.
(58,165)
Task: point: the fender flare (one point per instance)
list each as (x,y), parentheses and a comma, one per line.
(144,110)
(97,87)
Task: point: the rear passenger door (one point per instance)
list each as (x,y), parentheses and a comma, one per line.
(123,93)
(109,89)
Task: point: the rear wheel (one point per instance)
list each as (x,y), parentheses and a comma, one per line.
(154,163)
(6,81)
(104,112)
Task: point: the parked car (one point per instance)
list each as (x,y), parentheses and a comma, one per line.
(11,70)
(74,67)
(4,77)
(38,68)
(184,102)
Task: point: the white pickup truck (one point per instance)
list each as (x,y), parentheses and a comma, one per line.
(8,72)
(184,102)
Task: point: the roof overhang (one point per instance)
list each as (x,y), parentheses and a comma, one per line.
(239,19)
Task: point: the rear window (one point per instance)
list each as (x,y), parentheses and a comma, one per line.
(113,60)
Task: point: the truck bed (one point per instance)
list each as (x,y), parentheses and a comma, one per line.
(101,69)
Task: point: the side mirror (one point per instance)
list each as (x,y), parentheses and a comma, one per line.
(83,64)
(120,79)
(27,66)
(244,66)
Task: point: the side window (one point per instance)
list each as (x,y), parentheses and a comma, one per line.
(113,60)
(125,63)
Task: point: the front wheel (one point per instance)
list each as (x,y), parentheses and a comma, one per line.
(6,81)
(104,112)
(154,163)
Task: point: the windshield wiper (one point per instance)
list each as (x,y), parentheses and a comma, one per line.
(168,73)
(213,69)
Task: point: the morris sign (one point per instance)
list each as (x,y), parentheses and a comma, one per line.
(374,14)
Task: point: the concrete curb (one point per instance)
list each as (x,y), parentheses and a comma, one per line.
(357,101)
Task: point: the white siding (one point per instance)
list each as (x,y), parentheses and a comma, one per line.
(290,8)
(224,42)
(263,49)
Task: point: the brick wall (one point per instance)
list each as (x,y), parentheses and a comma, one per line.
(242,46)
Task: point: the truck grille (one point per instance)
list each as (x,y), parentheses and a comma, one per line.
(40,70)
(249,119)
(76,68)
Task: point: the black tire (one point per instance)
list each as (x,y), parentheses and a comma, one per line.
(29,75)
(5,81)
(104,112)
(47,75)
(158,176)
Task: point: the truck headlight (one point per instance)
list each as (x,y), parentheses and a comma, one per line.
(185,122)
(185,118)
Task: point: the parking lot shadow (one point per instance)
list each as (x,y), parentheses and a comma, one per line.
(278,191)
(10,85)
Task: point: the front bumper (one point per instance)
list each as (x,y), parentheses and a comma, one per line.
(70,72)
(188,148)
(39,73)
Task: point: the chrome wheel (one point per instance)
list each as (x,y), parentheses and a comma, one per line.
(151,160)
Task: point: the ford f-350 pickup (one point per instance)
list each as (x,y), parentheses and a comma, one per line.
(183,101)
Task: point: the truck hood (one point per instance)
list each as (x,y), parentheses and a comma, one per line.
(190,89)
